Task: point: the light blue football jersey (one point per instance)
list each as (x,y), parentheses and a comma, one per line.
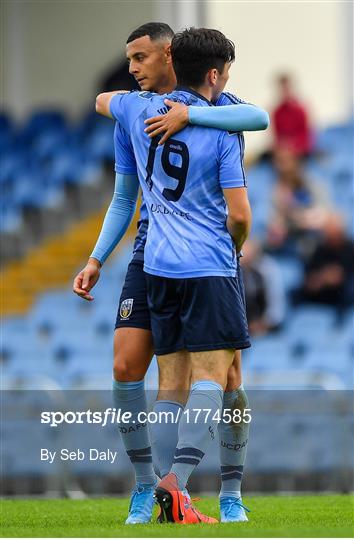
(182,185)
(125,164)
(227,98)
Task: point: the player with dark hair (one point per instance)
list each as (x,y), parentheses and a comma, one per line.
(155,30)
(149,57)
(190,259)
(191,59)
(150,63)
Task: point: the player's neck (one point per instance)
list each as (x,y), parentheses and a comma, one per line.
(204,91)
(167,86)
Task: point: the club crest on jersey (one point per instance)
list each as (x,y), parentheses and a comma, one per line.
(126,308)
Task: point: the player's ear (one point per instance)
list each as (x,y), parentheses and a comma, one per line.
(168,53)
(212,76)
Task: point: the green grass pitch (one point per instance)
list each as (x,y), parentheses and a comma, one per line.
(271,516)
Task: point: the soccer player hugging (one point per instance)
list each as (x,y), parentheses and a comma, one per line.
(183,296)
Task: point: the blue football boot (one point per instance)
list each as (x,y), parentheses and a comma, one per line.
(141,504)
(232,509)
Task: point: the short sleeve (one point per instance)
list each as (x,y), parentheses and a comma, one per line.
(123,150)
(119,109)
(231,170)
(126,108)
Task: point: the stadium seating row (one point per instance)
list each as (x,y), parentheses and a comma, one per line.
(46,154)
(64,343)
(68,339)
(41,157)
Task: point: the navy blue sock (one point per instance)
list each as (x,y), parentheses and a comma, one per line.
(196,432)
(130,397)
(164,435)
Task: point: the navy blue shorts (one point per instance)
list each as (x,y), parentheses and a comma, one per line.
(133,309)
(197,314)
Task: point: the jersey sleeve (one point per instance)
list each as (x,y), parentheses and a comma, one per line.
(240,117)
(231,169)
(226,98)
(246,116)
(123,150)
(125,108)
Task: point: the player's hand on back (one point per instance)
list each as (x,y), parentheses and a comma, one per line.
(87,279)
(170,123)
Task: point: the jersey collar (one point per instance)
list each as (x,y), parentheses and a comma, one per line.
(181,88)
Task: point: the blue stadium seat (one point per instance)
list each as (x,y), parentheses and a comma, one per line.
(260,180)
(336,139)
(11,219)
(100,144)
(311,318)
(44,120)
(39,159)
(292,272)
(332,359)
(48,144)
(23,459)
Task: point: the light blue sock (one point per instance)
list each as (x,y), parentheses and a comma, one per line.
(233,443)
(130,397)
(164,435)
(196,433)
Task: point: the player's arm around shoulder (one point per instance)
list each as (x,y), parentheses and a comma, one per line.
(246,115)
(228,116)
(242,117)
(103,102)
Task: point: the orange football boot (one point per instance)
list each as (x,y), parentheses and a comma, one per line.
(175,506)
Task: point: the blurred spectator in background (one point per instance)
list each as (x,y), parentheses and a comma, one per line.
(291,125)
(265,295)
(329,270)
(300,205)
